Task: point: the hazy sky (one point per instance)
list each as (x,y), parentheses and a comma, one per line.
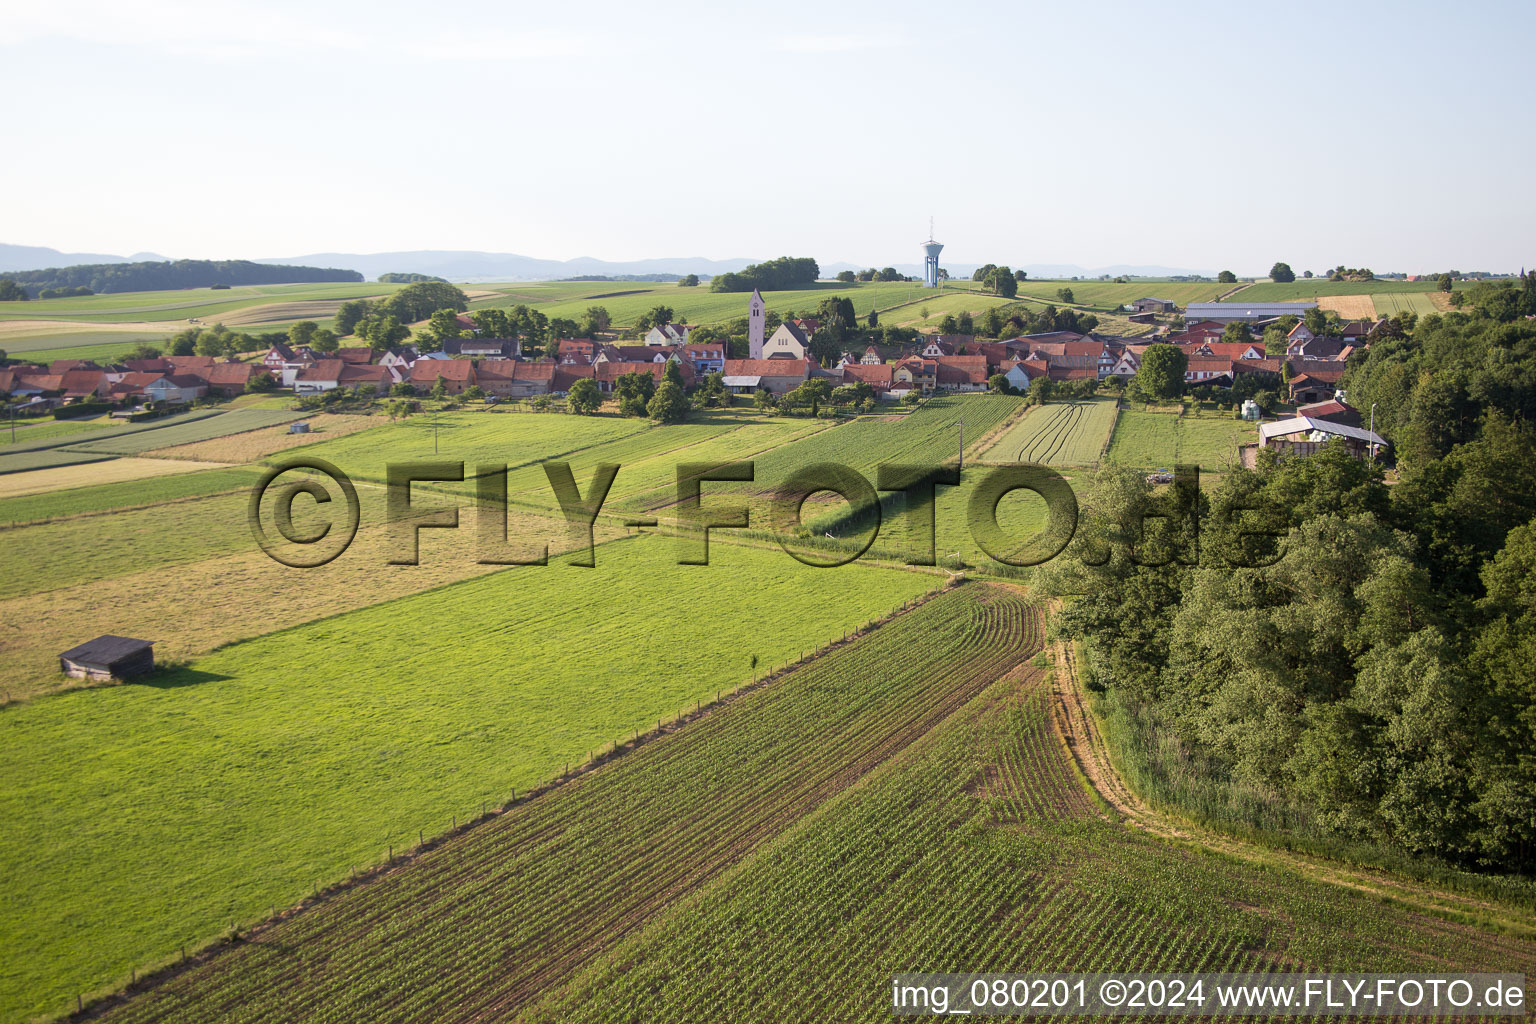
(1391,135)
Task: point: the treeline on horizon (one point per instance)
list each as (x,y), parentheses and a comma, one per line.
(171,274)
(1365,674)
(783,274)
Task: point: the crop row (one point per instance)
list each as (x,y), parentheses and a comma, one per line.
(236,421)
(972,852)
(501,914)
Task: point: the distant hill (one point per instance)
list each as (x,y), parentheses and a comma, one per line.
(37,257)
(472,265)
(154,276)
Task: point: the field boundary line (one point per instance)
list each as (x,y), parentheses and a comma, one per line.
(1087,746)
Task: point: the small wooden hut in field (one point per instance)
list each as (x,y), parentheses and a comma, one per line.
(108,657)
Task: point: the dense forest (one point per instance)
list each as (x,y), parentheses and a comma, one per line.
(782,274)
(145,277)
(1309,647)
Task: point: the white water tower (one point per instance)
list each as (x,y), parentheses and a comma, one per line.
(931,250)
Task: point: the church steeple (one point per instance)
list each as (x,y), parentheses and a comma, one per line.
(757,324)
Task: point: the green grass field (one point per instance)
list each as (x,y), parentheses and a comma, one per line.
(1059,434)
(60,341)
(127,494)
(46,430)
(1158,440)
(1420,303)
(159,813)
(180,304)
(929,435)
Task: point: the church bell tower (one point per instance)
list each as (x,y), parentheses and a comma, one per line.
(757,322)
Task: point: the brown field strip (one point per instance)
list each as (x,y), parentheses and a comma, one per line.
(110,471)
(1350,307)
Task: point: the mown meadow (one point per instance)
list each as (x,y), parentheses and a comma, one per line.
(1156,440)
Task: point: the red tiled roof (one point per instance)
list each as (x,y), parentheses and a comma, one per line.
(325,369)
(1209,364)
(613,370)
(429,370)
(184,380)
(1232,349)
(182,364)
(1031,370)
(362,373)
(962,369)
(1329,408)
(1320,376)
(83,382)
(131,383)
(225,374)
(355,355)
(869,373)
(767,368)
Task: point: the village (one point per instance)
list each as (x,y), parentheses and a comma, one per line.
(1070,364)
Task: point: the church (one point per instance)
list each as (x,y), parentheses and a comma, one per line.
(788,342)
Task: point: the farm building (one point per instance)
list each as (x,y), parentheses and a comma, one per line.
(1304,435)
(322,376)
(1150,305)
(1314,384)
(483,348)
(1333,411)
(744,376)
(108,657)
(513,378)
(609,371)
(456,374)
(176,388)
(961,373)
(1226,312)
